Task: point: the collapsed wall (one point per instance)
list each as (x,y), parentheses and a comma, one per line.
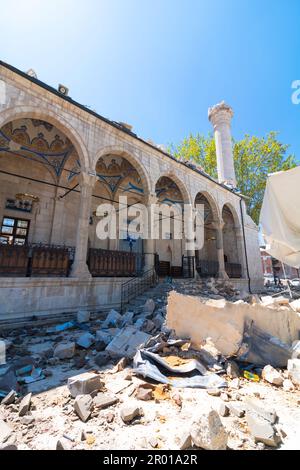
(224,321)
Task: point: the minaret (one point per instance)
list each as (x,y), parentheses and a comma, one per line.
(220,116)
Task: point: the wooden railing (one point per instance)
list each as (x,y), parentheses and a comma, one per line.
(207,268)
(35,260)
(233,270)
(114,263)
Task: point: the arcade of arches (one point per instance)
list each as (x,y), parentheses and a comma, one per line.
(49,213)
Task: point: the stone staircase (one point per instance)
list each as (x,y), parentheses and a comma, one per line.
(159,293)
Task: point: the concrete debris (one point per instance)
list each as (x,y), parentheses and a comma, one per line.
(5,431)
(288,385)
(223,410)
(27,419)
(100,345)
(262,430)
(149,307)
(104,400)
(224,321)
(232,369)
(76,408)
(215,392)
(271,375)
(9,398)
(127,342)
(144,392)
(208,432)
(8,447)
(63,444)
(154,443)
(85,383)
(184,441)
(293,368)
(25,405)
(258,407)
(296,350)
(86,340)
(64,350)
(83,406)
(102,358)
(8,380)
(113,319)
(236,409)
(83,316)
(106,335)
(129,412)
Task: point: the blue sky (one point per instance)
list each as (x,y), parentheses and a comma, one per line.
(160,64)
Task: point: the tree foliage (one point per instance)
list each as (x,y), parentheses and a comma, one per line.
(254,158)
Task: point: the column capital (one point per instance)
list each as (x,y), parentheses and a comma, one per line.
(87,178)
(220,113)
(151,198)
(218,224)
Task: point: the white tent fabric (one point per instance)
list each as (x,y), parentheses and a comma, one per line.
(280,216)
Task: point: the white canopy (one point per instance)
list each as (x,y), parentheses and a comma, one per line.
(280,216)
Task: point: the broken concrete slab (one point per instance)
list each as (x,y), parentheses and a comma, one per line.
(5,431)
(130,412)
(113,319)
(104,400)
(262,430)
(25,405)
(86,340)
(144,393)
(271,375)
(106,335)
(149,307)
(9,398)
(224,321)
(84,383)
(83,406)
(64,350)
(208,432)
(236,409)
(255,406)
(127,342)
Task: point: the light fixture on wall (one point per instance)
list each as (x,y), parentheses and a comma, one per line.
(25,197)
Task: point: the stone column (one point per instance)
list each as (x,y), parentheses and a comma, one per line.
(149,243)
(220,116)
(79,267)
(58,218)
(220,251)
(241,250)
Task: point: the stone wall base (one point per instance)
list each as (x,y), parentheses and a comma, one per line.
(25,297)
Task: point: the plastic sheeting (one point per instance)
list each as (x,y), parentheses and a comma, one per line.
(280,216)
(192,374)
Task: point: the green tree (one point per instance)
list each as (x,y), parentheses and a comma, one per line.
(254,158)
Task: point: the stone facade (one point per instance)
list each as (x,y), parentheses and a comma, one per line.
(73,159)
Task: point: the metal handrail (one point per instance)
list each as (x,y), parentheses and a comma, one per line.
(133,287)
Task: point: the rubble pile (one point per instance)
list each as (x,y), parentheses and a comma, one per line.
(129,381)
